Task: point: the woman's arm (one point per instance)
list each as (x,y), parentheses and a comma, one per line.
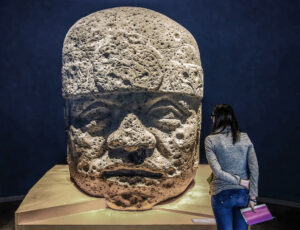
(215,166)
(254,172)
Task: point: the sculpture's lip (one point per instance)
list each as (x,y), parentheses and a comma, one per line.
(131,173)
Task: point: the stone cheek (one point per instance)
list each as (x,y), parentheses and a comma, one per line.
(130,48)
(179,146)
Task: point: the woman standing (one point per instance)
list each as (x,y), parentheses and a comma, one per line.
(232,158)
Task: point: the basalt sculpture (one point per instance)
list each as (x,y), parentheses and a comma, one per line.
(133,84)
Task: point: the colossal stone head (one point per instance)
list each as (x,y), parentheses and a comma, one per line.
(133,85)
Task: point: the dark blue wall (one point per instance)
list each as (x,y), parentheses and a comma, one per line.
(250,55)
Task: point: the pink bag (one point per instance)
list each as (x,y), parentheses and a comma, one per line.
(260,215)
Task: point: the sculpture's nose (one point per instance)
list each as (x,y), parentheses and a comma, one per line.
(131,135)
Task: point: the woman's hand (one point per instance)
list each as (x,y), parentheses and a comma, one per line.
(245,183)
(252,203)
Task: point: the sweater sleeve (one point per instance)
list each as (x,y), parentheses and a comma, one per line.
(215,166)
(253,170)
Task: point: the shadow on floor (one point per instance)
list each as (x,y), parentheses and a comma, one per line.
(286,218)
(7,215)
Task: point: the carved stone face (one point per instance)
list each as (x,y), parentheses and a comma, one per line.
(133,84)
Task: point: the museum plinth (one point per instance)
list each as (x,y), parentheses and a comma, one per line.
(54,202)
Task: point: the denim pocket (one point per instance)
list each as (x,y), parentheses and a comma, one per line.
(223,199)
(232,198)
(240,200)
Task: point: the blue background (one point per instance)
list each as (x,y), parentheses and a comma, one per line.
(250,56)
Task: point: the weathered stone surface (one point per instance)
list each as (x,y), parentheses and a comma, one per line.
(130,48)
(133,84)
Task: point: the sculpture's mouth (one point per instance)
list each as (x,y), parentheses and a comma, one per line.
(131,173)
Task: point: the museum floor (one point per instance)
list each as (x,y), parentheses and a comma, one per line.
(286,217)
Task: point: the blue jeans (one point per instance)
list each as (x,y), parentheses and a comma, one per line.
(226,206)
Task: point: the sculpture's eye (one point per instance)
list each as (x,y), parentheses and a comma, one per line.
(165,116)
(94,119)
(95,114)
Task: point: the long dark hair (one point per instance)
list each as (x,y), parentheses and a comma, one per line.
(224,116)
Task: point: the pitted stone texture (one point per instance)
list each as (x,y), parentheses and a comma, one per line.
(131,135)
(137,153)
(133,84)
(130,48)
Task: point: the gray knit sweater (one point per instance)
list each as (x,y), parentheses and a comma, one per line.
(230,163)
